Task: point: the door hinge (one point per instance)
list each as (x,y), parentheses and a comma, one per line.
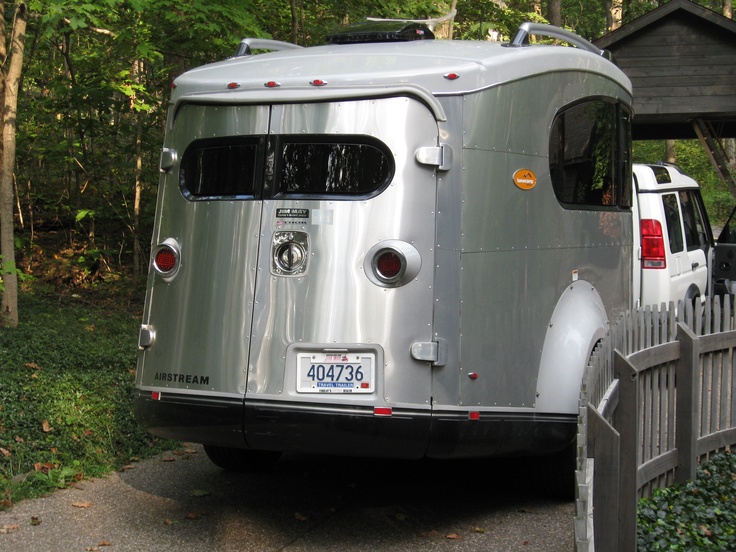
(430,351)
(439,156)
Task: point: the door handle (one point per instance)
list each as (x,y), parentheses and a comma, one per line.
(695,265)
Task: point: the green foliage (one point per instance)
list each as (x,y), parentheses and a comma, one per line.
(475,19)
(696,516)
(66,396)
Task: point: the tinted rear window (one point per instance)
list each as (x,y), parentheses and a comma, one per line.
(350,166)
(221,168)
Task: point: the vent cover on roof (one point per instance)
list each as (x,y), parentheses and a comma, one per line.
(381,31)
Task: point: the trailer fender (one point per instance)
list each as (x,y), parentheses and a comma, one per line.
(578,322)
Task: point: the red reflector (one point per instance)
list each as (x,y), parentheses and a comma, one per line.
(452,76)
(383,411)
(388,264)
(156,396)
(365,385)
(318,82)
(652,245)
(165,260)
(272,84)
(233,85)
(473,416)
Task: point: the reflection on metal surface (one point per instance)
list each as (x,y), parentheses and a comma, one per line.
(290,253)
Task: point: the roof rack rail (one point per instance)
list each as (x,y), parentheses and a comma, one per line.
(529,28)
(248,44)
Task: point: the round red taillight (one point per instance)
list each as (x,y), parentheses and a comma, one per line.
(392,263)
(165,260)
(389,265)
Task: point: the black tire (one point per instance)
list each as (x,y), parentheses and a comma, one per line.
(556,473)
(242,460)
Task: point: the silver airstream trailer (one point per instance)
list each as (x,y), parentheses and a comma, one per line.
(386,246)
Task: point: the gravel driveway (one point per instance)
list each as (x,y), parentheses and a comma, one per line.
(181,502)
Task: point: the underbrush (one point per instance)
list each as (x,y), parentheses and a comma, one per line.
(700,515)
(66,389)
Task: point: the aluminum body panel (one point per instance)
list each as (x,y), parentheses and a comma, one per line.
(201,317)
(522,248)
(480,65)
(335,304)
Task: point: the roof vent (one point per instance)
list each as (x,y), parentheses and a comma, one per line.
(381,31)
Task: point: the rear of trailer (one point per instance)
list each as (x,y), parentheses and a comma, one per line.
(392,249)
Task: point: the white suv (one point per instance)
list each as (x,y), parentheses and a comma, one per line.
(673,240)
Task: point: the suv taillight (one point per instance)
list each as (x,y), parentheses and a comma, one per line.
(652,245)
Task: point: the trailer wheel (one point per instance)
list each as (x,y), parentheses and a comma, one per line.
(556,473)
(242,460)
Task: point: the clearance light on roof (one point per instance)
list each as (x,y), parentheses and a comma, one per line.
(272,84)
(452,76)
(233,85)
(318,82)
(652,245)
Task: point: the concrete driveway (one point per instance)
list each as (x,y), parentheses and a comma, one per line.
(181,502)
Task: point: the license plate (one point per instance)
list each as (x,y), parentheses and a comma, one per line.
(335,372)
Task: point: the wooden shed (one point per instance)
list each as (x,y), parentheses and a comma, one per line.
(681,59)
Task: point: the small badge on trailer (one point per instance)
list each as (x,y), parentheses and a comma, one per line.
(525,179)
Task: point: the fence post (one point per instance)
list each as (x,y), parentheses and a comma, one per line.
(686,413)
(627,422)
(604,444)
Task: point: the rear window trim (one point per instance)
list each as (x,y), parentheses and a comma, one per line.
(275,143)
(259,141)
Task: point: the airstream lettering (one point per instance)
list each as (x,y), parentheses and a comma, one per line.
(386,247)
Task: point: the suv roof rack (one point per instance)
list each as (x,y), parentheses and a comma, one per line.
(247,44)
(529,28)
(381,31)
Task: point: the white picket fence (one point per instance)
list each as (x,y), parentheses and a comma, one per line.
(659,395)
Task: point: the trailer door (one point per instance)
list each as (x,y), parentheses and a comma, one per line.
(345,204)
(194,338)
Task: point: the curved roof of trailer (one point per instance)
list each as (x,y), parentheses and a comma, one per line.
(427,64)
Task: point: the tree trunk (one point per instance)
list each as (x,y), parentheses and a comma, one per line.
(669,151)
(294,23)
(728,8)
(137,201)
(12,73)
(554,14)
(617,13)
(451,22)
